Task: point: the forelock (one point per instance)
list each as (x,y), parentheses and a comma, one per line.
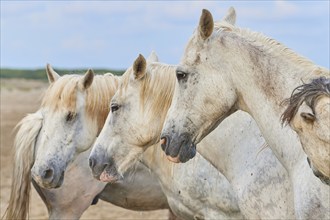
(62,94)
(308,93)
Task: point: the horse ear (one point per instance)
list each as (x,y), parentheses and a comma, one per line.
(308,117)
(306,113)
(206,24)
(51,74)
(139,67)
(152,57)
(87,80)
(230,17)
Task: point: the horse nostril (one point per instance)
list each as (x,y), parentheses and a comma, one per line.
(163,142)
(91,162)
(105,166)
(48,174)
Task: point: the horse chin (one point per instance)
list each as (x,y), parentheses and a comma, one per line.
(324,179)
(186,153)
(60,181)
(173,159)
(110,175)
(178,148)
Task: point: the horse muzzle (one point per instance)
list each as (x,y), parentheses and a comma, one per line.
(48,177)
(104,171)
(178,148)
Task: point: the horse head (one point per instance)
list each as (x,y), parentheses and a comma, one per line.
(137,109)
(308,114)
(73,113)
(200,101)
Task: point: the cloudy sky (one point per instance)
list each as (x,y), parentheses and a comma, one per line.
(110,34)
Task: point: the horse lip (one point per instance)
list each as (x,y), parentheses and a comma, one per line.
(49,185)
(109,174)
(108,177)
(177,158)
(39,181)
(97,172)
(54,184)
(60,181)
(173,159)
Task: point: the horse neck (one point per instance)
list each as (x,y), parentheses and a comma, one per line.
(156,161)
(266,81)
(239,141)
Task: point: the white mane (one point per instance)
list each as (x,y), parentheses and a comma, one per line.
(270,45)
(62,94)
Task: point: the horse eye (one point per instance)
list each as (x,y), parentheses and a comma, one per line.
(70,116)
(180,75)
(114,107)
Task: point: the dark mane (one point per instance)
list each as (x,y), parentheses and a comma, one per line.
(308,93)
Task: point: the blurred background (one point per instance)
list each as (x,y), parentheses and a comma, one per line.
(108,36)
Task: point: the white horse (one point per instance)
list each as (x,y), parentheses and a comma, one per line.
(138,191)
(232,68)
(73,109)
(308,113)
(79,188)
(138,111)
(204,194)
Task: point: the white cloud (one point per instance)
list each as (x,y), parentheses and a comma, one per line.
(285,8)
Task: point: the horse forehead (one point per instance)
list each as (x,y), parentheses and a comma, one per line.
(80,100)
(60,97)
(124,92)
(322,110)
(323,105)
(192,52)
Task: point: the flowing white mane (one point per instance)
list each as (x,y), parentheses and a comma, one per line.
(157,84)
(258,39)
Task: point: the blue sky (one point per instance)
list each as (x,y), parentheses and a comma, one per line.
(110,34)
